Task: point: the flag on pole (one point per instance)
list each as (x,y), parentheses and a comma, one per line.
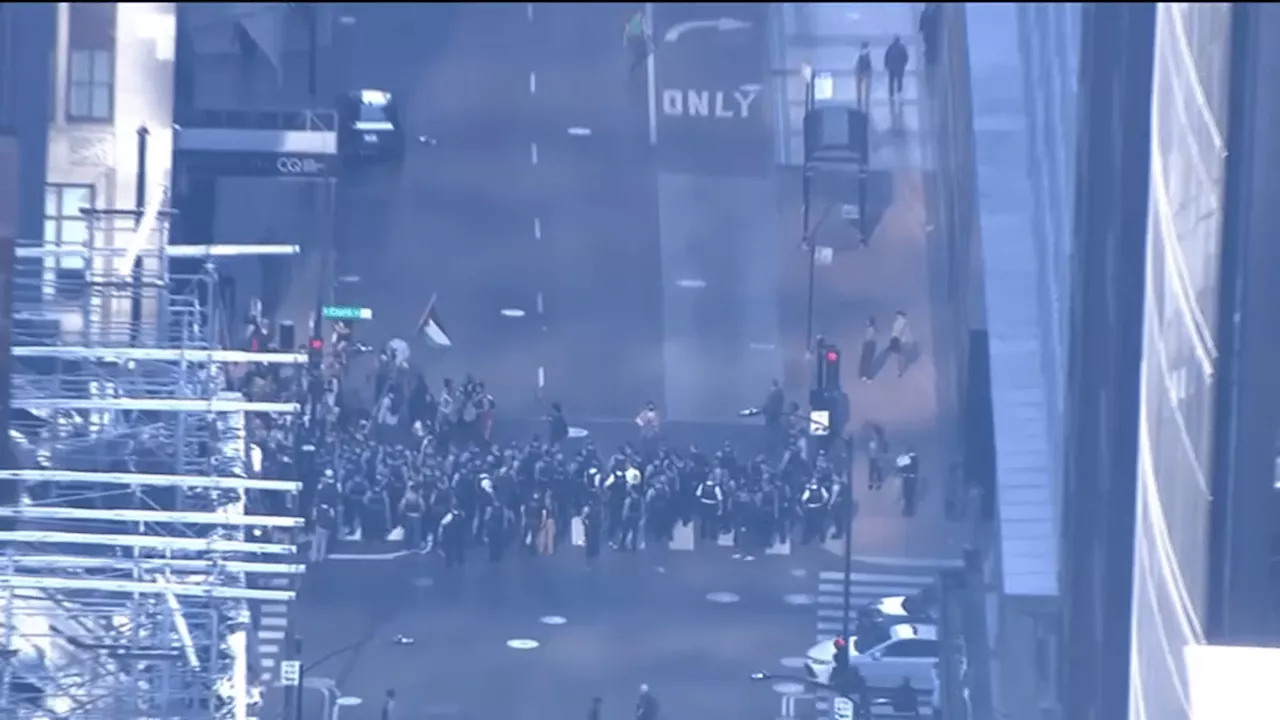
(430,328)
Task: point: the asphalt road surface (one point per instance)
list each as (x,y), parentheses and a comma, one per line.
(454,220)
(537,242)
(693,625)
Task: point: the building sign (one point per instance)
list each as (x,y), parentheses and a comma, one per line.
(719,104)
(256,164)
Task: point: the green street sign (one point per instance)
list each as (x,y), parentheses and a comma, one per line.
(346,312)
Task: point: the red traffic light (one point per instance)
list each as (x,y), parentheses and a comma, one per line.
(833,356)
(317,344)
(839,643)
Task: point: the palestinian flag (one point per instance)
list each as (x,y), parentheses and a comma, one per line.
(431,329)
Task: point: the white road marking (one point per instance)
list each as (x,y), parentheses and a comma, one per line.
(879,590)
(268,649)
(579,131)
(270,634)
(875,577)
(528,11)
(691,283)
(537,228)
(651,71)
(533,83)
(275,622)
(539,300)
(267,662)
(542,376)
(512,312)
(277,608)
(523,644)
(533,153)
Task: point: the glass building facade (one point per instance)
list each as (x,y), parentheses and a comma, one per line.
(1180,351)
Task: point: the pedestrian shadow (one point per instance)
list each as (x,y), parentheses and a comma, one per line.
(910,354)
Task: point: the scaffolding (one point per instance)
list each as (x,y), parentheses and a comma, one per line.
(128,563)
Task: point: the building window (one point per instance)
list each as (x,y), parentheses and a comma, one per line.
(91,61)
(66,227)
(90,85)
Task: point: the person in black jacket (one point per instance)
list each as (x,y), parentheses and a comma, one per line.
(557,426)
(646,705)
(895,66)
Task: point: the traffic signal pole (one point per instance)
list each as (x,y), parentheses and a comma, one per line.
(806,180)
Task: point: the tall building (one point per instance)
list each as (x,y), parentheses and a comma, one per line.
(1172,425)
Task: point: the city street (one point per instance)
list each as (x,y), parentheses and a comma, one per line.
(454,220)
(536,638)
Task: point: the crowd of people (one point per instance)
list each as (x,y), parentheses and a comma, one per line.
(422,469)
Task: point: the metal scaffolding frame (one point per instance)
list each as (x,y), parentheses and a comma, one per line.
(124,568)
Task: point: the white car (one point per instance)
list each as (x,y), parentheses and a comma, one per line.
(896,609)
(884,656)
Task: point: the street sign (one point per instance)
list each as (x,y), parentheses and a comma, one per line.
(346,312)
(291,673)
(842,709)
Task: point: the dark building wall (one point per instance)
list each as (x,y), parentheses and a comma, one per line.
(1240,605)
(1104,355)
(27,39)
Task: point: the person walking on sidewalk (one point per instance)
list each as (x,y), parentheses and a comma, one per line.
(862,77)
(867,357)
(900,341)
(895,66)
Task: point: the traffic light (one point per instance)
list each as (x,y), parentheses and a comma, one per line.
(315,352)
(828,370)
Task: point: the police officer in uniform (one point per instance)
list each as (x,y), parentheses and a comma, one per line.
(813,504)
(909,472)
(710,505)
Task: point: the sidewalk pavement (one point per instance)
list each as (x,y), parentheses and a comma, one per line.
(903,268)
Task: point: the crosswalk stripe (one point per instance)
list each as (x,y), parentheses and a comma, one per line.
(782,548)
(878,591)
(268,649)
(275,609)
(275,622)
(271,634)
(855,602)
(726,539)
(917,580)
(268,662)
(838,588)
